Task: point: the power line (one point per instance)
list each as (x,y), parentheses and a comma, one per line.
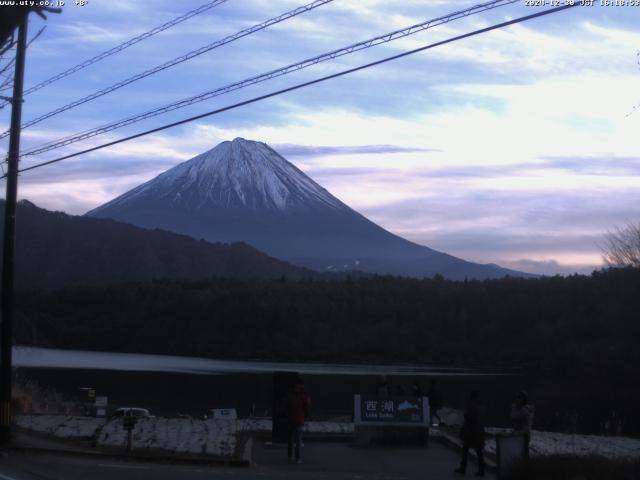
(387,37)
(177,60)
(7,83)
(10,44)
(302,85)
(7,45)
(127,44)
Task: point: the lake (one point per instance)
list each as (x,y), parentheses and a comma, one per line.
(169,385)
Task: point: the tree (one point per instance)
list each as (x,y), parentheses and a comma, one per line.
(623,246)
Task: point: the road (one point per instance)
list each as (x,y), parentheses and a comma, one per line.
(322,461)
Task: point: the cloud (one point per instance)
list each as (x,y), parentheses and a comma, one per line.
(531,51)
(322,174)
(549,267)
(96,169)
(596,164)
(148,155)
(500,227)
(89,32)
(293,150)
(76,196)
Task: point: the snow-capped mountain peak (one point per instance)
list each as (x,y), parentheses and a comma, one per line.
(240,174)
(245,191)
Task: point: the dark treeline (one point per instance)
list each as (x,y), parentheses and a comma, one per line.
(576,338)
(56,250)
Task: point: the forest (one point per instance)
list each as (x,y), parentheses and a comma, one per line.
(575,338)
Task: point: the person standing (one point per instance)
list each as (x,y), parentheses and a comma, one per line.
(472,433)
(298,404)
(522,417)
(382,388)
(435,402)
(416,390)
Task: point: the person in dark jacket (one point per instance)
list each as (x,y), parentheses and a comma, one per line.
(298,404)
(416,390)
(522,417)
(472,433)
(435,402)
(522,413)
(382,388)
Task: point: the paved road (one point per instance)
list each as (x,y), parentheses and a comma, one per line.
(344,461)
(322,461)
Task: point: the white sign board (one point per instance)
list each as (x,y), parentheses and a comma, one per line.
(391,411)
(101,412)
(101,402)
(224,413)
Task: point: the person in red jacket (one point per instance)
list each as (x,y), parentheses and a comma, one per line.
(298,403)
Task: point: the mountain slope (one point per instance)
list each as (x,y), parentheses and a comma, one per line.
(54,250)
(245,191)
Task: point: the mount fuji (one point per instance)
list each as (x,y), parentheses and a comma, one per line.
(243,190)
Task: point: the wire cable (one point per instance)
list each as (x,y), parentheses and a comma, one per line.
(127,44)
(178,60)
(8,83)
(302,85)
(387,37)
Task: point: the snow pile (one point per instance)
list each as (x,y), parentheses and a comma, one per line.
(178,435)
(553,443)
(220,437)
(264,425)
(329,427)
(254,425)
(61,426)
(451,416)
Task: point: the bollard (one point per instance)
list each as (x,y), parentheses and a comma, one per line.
(511,449)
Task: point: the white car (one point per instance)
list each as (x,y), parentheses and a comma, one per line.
(132,412)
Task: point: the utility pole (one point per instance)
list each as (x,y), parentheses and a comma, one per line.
(8,254)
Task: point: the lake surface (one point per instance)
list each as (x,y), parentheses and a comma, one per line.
(169,385)
(29,357)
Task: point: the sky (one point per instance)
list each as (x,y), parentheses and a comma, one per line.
(517,147)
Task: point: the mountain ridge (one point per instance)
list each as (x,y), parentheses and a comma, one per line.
(55,250)
(243,190)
